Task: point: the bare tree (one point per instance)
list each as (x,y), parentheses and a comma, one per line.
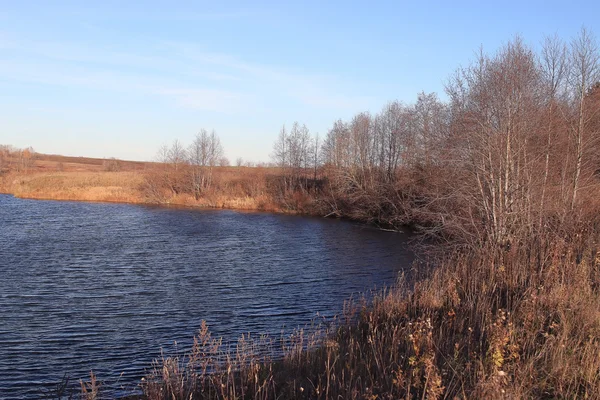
(336,147)
(553,67)
(495,104)
(298,154)
(431,120)
(584,73)
(204,154)
(26,158)
(176,155)
(111,165)
(280,150)
(280,156)
(4,152)
(169,176)
(392,129)
(162,155)
(316,156)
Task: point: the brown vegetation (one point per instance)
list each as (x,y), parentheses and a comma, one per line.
(55,177)
(81,186)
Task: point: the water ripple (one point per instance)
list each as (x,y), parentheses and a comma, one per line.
(105,286)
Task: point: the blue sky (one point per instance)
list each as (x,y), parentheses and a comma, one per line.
(120,78)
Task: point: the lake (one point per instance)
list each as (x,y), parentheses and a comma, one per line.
(103,287)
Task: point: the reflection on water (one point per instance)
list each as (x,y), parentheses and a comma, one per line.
(104,286)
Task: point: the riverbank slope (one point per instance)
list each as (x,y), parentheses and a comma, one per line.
(122,187)
(51,177)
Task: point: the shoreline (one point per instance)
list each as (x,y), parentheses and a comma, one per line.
(41,186)
(182,205)
(172,205)
(100,187)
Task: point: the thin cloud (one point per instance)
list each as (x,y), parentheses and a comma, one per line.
(209,99)
(96,11)
(183,72)
(191,97)
(107,59)
(311,90)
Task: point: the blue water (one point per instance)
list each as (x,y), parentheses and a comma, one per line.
(103,287)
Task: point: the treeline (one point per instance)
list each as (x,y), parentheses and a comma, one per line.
(18,159)
(186,169)
(515,146)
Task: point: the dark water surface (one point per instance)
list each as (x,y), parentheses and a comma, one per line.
(104,286)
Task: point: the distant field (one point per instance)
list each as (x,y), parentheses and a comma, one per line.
(53,162)
(76,184)
(49,176)
(55,177)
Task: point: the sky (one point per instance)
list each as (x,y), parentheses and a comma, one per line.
(121,78)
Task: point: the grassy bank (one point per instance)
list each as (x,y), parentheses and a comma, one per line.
(132,187)
(79,186)
(54,177)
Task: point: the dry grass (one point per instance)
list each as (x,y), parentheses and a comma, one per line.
(54,177)
(80,186)
(241,188)
(82,179)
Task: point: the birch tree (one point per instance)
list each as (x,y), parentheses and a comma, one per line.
(204,153)
(584,60)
